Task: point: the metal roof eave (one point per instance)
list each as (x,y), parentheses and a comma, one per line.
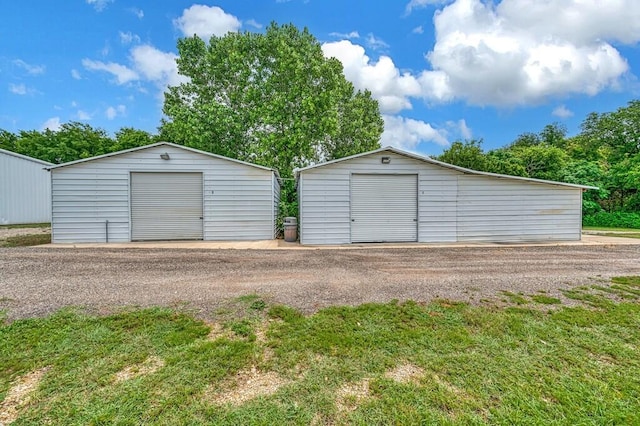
(25,157)
(444,165)
(153,145)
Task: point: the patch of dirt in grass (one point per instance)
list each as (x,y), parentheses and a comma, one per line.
(351,395)
(19,395)
(248,385)
(149,366)
(261,332)
(216,331)
(406,373)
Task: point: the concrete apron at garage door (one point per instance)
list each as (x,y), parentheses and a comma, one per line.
(587,240)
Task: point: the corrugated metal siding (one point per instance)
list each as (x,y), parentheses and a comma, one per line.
(324,195)
(238,199)
(452,206)
(491,209)
(25,191)
(166,206)
(438,192)
(384,208)
(276,205)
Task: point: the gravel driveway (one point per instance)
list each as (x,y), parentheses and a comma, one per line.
(37,281)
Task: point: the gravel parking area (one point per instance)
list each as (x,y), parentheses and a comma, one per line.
(37,281)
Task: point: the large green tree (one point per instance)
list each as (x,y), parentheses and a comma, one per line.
(272,99)
(128,137)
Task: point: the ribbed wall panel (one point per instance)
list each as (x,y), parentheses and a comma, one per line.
(325,201)
(166,206)
(452,205)
(237,199)
(384,208)
(491,209)
(25,190)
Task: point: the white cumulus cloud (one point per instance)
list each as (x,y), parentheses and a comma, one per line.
(128,37)
(253,23)
(206,21)
(51,124)
(83,115)
(459,129)
(522,52)
(137,12)
(113,112)
(99,5)
(391,88)
(31,69)
(75,74)
(504,54)
(562,112)
(419,4)
(407,133)
(375,43)
(122,73)
(347,36)
(156,66)
(18,89)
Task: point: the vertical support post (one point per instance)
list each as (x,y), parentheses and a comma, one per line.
(106,231)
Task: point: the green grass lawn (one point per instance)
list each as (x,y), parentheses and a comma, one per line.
(533,362)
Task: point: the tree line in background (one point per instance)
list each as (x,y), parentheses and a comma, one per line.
(273,99)
(605,154)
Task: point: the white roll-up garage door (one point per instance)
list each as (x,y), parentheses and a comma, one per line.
(166,206)
(384,208)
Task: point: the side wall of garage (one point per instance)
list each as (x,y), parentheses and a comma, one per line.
(238,199)
(494,209)
(324,198)
(25,189)
(453,205)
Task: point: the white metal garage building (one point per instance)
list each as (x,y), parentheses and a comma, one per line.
(25,189)
(389,195)
(163,191)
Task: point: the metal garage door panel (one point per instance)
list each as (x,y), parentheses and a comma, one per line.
(166,206)
(384,208)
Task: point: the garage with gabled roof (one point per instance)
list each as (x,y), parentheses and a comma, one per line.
(389,195)
(163,191)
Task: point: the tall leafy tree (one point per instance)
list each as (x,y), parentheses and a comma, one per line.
(618,130)
(468,154)
(542,161)
(8,140)
(128,137)
(272,99)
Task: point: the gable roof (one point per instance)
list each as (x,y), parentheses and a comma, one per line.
(153,145)
(25,157)
(440,164)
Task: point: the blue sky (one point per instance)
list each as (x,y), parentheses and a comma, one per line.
(442,70)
